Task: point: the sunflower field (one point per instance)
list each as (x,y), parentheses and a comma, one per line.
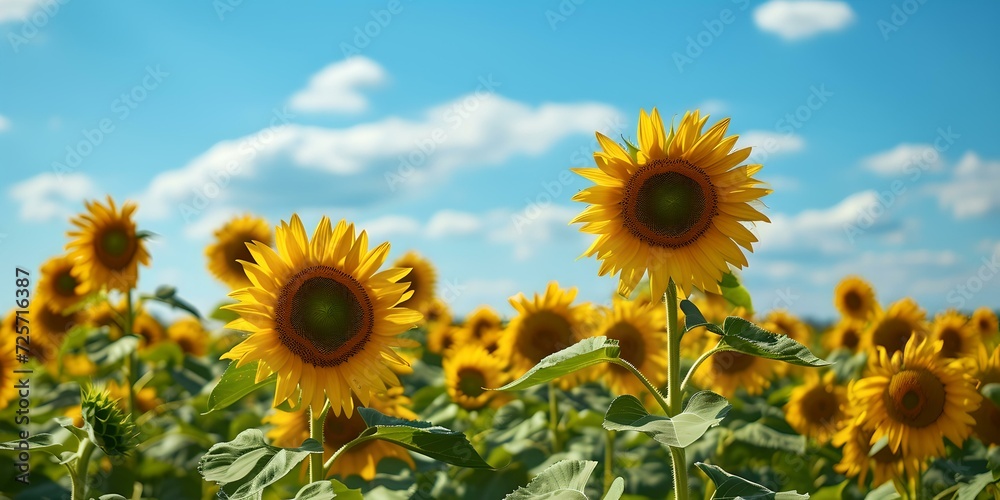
(332,372)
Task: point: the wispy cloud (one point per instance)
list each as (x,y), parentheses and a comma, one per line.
(337,88)
(47,196)
(801,19)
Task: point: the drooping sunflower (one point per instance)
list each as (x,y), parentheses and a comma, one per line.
(725,372)
(855,298)
(638,328)
(8,361)
(958,338)
(62,283)
(855,440)
(189,334)
(818,407)
(987,416)
(676,209)
(543,325)
(482,326)
(437,322)
(846,334)
(422,279)
(291,428)
(230,247)
(916,399)
(49,326)
(107,247)
(985,321)
(468,370)
(894,327)
(322,316)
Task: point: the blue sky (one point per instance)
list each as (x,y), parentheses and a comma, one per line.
(449,128)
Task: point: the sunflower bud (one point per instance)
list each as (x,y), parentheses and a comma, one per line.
(108,425)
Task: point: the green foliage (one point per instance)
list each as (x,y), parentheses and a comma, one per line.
(236,383)
(565,480)
(245,466)
(425,438)
(107,424)
(585,353)
(728,486)
(704,410)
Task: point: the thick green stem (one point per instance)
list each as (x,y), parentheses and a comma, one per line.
(554,418)
(609,460)
(316,459)
(674,394)
(132,361)
(79,477)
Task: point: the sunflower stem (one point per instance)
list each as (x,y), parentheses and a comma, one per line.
(645,381)
(609,460)
(694,367)
(132,361)
(674,394)
(316,459)
(79,476)
(554,418)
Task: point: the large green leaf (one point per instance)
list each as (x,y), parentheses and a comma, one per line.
(587,352)
(325,490)
(246,465)
(762,436)
(885,492)
(234,384)
(735,293)
(105,353)
(425,438)
(38,442)
(693,318)
(704,410)
(168,295)
(743,336)
(972,489)
(730,487)
(564,480)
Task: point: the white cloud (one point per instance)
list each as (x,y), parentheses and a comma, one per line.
(369,162)
(17,10)
(712,106)
(972,189)
(47,195)
(388,226)
(768,143)
(527,231)
(337,87)
(819,229)
(898,160)
(452,223)
(800,19)
(4,124)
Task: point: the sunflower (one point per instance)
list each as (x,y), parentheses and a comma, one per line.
(145,398)
(8,361)
(104,315)
(543,325)
(855,298)
(893,328)
(148,329)
(958,338)
(726,371)
(855,440)
(62,283)
(846,334)
(987,416)
(675,210)
(107,247)
(437,322)
(818,407)
(189,334)
(784,323)
(916,399)
(483,327)
(468,370)
(49,326)
(290,429)
(230,247)
(422,279)
(321,316)
(71,365)
(638,328)
(986,323)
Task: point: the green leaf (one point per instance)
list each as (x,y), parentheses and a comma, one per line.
(877,447)
(730,487)
(234,384)
(247,464)
(745,337)
(762,436)
(992,393)
(104,353)
(735,293)
(693,318)
(168,295)
(835,492)
(166,352)
(425,438)
(224,315)
(704,410)
(111,496)
(564,480)
(971,490)
(630,148)
(616,490)
(587,352)
(38,442)
(323,490)
(885,492)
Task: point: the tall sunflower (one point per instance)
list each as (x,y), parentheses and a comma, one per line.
(482,326)
(958,338)
(893,328)
(469,369)
(437,323)
(422,279)
(543,325)
(846,334)
(916,399)
(107,247)
(726,371)
(50,326)
(855,298)
(987,416)
(676,209)
(985,321)
(818,407)
(230,247)
(61,281)
(638,328)
(8,361)
(189,334)
(321,316)
(291,428)
(855,441)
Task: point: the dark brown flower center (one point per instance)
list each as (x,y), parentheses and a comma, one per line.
(543,333)
(324,316)
(951,342)
(65,284)
(915,397)
(340,430)
(669,203)
(892,334)
(471,382)
(821,406)
(731,362)
(414,279)
(115,246)
(850,338)
(630,341)
(853,301)
(235,250)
